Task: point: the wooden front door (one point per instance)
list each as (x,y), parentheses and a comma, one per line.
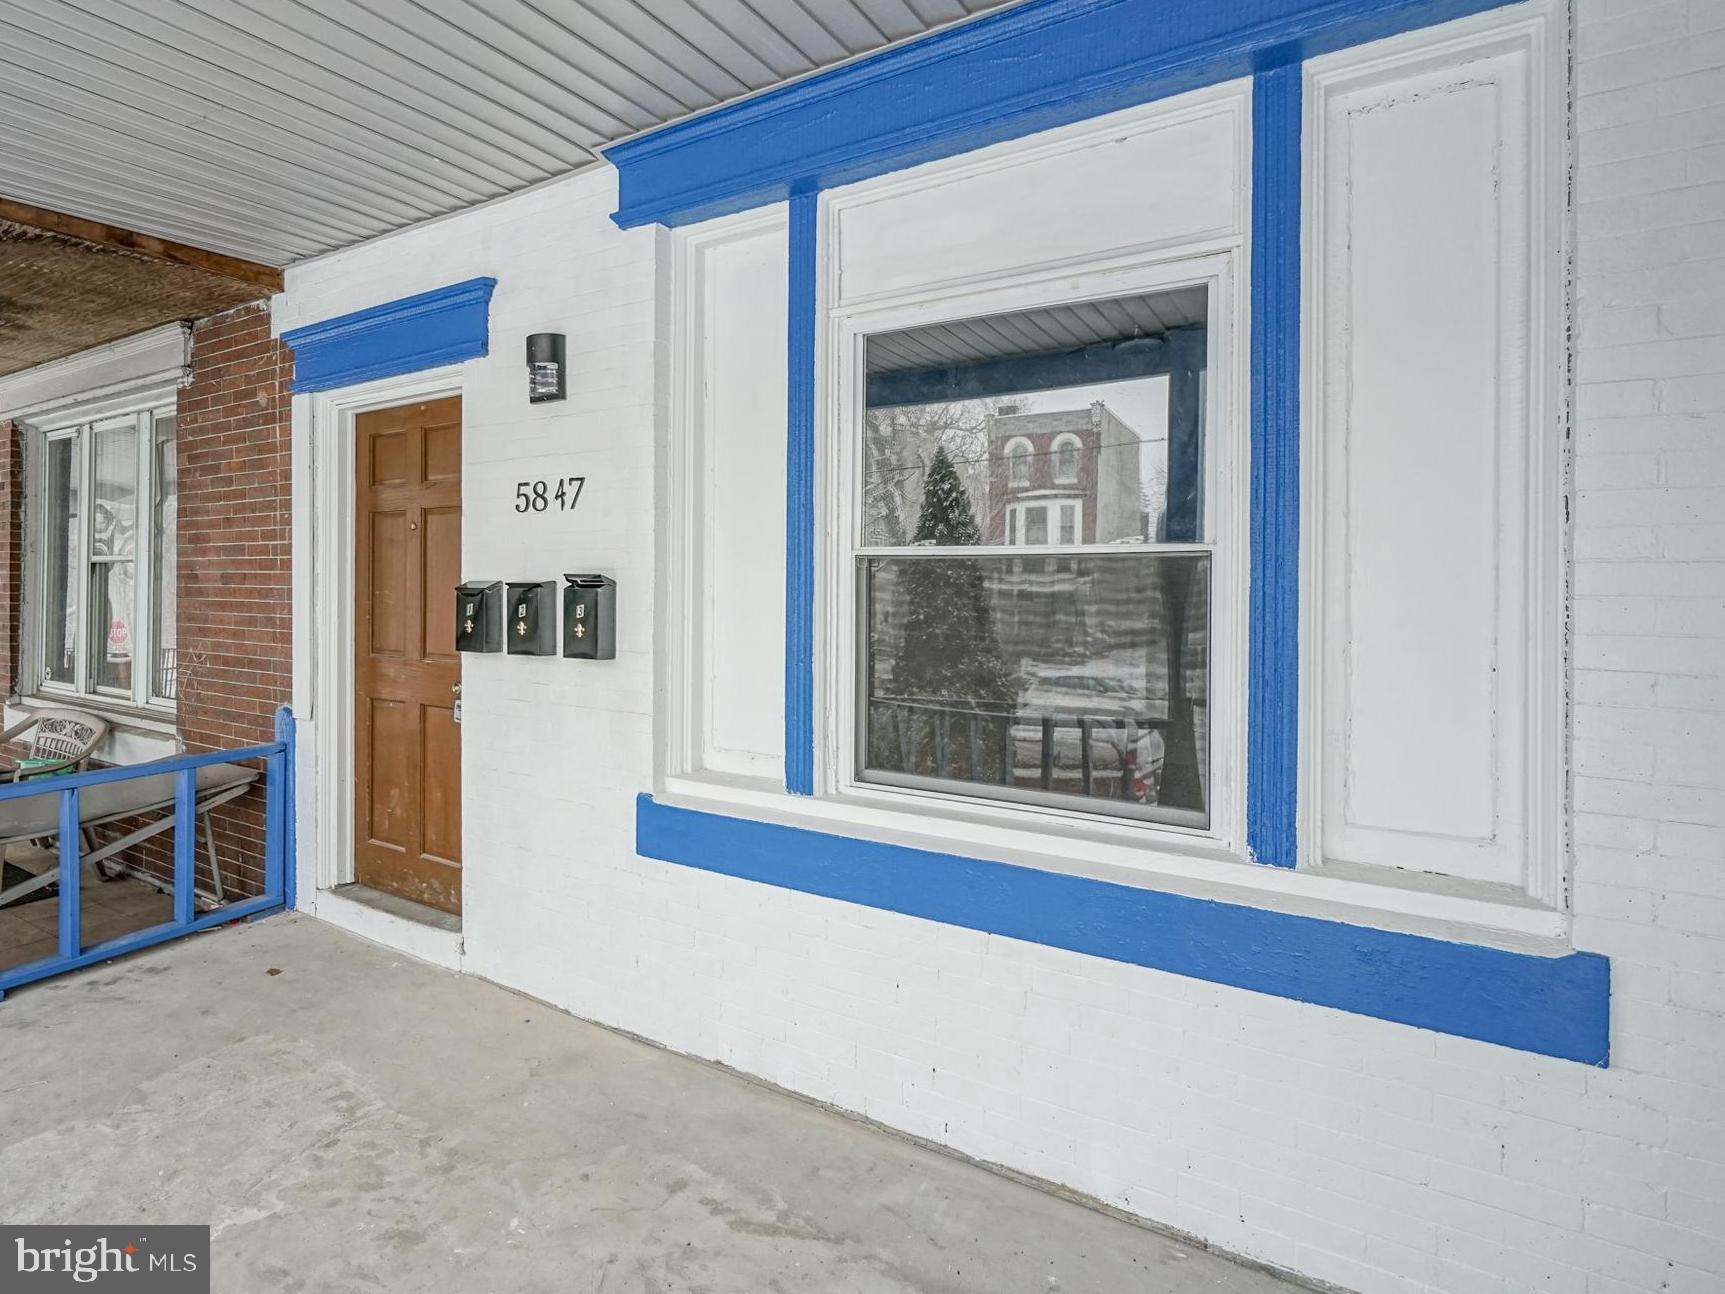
(407,674)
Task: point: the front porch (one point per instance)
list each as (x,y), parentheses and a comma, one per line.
(349,1119)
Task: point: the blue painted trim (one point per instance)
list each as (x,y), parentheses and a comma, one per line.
(442,326)
(800,499)
(185,845)
(1023,69)
(287,733)
(1555,1006)
(129,772)
(71,912)
(1273,640)
(278,890)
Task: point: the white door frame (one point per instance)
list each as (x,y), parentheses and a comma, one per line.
(323,653)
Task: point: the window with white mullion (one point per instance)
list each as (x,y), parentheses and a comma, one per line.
(105,552)
(1025,634)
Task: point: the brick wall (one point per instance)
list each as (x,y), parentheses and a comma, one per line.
(235,612)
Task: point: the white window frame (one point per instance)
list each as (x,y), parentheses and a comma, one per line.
(1076,510)
(1124,853)
(1019,450)
(1053,505)
(82,426)
(837,655)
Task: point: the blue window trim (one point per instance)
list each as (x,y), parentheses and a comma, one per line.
(1007,74)
(1273,624)
(1553,1006)
(442,326)
(800,499)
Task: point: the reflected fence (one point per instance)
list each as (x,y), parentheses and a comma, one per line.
(1110,756)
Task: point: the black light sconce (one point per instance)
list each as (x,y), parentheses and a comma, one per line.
(545,367)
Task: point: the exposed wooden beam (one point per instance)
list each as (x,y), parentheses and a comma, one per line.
(94,231)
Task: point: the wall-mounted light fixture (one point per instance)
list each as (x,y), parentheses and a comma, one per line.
(545,367)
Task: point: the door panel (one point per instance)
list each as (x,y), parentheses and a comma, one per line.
(442,574)
(407,745)
(389,580)
(441,818)
(394,732)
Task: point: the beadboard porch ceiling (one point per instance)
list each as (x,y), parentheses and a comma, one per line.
(276,130)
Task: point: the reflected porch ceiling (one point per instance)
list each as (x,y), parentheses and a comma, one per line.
(275,130)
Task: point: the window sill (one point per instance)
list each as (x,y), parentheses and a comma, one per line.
(1488,984)
(1400,901)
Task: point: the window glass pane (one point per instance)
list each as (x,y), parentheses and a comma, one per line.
(1066,461)
(164,581)
(64,558)
(1080,681)
(112,618)
(1100,403)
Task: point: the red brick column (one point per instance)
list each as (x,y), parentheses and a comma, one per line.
(235,603)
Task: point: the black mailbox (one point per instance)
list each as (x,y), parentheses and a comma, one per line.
(479,617)
(530,619)
(590,617)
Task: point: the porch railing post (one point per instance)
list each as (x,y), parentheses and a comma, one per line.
(185,845)
(276,774)
(71,863)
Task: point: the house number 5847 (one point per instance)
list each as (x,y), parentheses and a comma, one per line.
(538,496)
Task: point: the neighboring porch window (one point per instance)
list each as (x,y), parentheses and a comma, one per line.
(107,624)
(1052,649)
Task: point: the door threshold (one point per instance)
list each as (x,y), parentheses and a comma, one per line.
(398,924)
(383,901)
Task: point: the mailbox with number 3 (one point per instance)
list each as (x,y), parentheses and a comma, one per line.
(590,617)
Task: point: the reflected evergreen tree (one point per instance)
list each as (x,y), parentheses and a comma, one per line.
(949,656)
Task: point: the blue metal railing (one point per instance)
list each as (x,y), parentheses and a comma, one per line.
(278,887)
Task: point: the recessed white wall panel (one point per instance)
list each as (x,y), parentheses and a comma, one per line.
(1422,436)
(1134,180)
(736,293)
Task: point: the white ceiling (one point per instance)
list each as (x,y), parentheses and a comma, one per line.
(275,130)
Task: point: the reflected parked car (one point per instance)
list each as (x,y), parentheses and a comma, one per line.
(1059,712)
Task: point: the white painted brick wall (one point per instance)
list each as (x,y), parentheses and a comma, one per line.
(1379,1157)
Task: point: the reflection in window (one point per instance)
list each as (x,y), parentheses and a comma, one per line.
(1038,685)
(112,618)
(63,550)
(1079,680)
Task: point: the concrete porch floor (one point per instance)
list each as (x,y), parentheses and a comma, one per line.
(360,1121)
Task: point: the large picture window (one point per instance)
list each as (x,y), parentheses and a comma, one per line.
(105,614)
(1033,559)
